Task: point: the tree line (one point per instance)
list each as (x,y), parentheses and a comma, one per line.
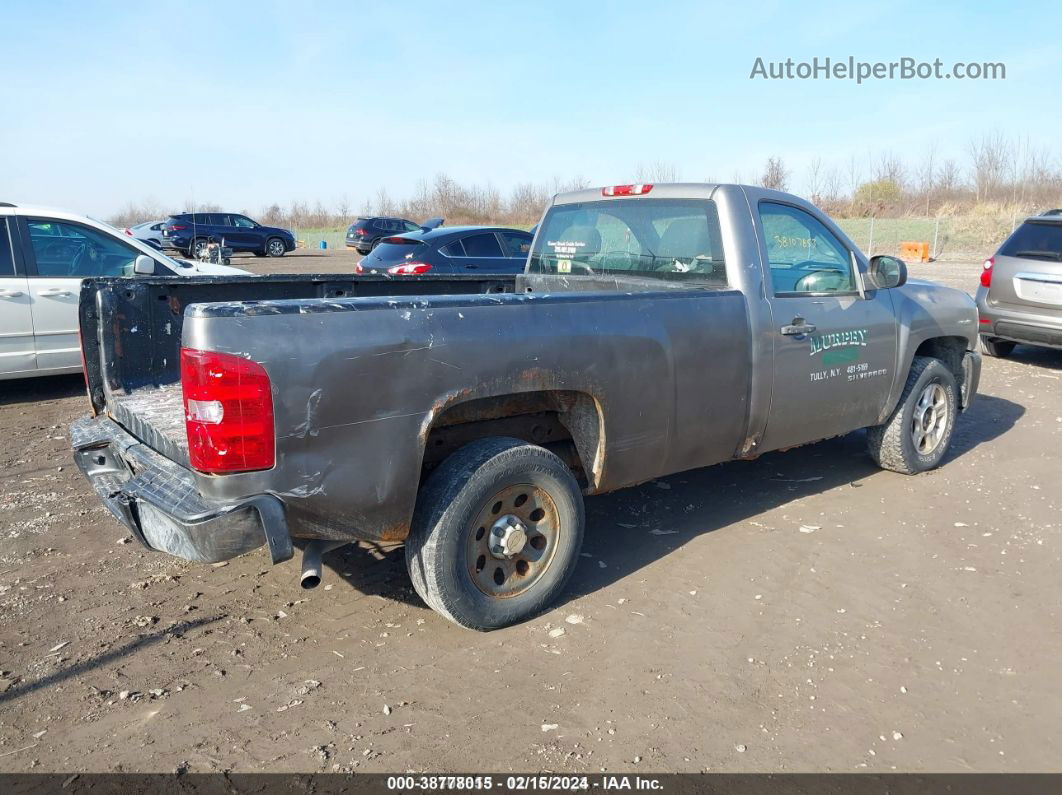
(996,171)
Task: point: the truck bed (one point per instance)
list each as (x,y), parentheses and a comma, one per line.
(133,365)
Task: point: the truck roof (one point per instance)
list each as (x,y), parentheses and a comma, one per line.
(667,190)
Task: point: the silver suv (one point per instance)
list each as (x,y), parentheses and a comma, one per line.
(1020,297)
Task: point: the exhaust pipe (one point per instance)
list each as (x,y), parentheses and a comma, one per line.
(311,561)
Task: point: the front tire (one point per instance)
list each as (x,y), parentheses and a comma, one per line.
(274,247)
(496,533)
(998,348)
(917,435)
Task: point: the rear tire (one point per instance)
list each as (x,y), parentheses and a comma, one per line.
(198,245)
(995,347)
(454,552)
(916,436)
(374,244)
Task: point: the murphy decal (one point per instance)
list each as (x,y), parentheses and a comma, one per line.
(839,339)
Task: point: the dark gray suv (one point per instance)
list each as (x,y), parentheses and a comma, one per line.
(1020,297)
(367,231)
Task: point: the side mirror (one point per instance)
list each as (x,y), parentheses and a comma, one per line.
(885,272)
(144,265)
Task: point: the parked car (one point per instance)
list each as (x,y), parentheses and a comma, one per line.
(44,255)
(1020,296)
(367,231)
(450,249)
(150,232)
(655,329)
(189,233)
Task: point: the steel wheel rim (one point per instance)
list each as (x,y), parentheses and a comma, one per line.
(507,575)
(930,419)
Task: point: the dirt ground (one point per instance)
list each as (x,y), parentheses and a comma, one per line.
(802,612)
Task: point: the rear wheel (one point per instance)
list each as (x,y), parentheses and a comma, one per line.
(198,247)
(274,247)
(374,244)
(496,533)
(995,347)
(917,434)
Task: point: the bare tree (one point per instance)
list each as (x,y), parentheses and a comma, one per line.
(815,181)
(988,162)
(657,172)
(889,169)
(775,174)
(926,174)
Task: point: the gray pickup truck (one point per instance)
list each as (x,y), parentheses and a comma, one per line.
(656,328)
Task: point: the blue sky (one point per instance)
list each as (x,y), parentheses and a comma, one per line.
(250,103)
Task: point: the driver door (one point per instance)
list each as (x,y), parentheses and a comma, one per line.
(60,254)
(834,349)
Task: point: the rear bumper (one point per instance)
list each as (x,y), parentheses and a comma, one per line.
(158,501)
(1017,324)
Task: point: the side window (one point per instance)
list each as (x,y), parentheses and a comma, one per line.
(66,249)
(411,227)
(7,261)
(243,223)
(517,243)
(484,244)
(217,219)
(803,255)
(454,249)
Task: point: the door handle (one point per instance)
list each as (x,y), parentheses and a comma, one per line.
(798,327)
(10,293)
(471,267)
(53,292)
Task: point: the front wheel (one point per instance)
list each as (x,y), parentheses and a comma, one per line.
(916,436)
(274,247)
(496,533)
(997,348)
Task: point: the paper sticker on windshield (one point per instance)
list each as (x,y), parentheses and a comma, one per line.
(564,266)
(569,247)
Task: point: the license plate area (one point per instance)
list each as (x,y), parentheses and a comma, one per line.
(1044,290)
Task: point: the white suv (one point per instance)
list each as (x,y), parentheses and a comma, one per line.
(44,255)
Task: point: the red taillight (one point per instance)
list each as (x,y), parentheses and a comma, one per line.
(409,269)
(228,412)
(986,274)
(626,190)
(984,321)
(401,241)
(359,268)
(177,227)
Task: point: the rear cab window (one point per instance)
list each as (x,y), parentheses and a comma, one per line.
(667,239)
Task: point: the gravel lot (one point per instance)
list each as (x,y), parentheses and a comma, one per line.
(801,612)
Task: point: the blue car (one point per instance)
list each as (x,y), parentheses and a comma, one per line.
(484,250)
(189,233)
